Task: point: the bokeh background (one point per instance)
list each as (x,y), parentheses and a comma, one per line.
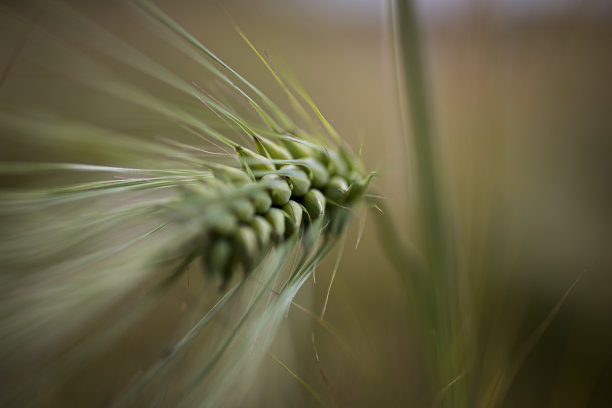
(521,96)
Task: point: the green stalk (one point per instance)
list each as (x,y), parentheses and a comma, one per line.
(418,110)
(446,358)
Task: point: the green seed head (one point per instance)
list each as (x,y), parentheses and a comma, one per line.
(230,174)
(243,209)
(298,178)
(224,223)
(245,246)
(298,150)
(257,163)
(294,213)
(217,261)
(337,189)
(338,165)
(314,202)
(263,230)
(266,147)
(262,201)
(317,172)
(276,218)
(280,191)
(358,187)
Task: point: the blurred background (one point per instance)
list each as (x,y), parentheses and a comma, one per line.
(521,97)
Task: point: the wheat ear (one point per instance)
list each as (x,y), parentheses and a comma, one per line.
(84,262)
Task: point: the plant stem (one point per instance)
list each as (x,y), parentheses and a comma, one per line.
(441,291)
(422,132)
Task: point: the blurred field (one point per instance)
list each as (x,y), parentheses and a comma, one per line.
(522,109)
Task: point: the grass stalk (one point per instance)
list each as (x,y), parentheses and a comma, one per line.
(438,293)
(422,132)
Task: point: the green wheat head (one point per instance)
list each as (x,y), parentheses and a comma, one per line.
(258,199)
